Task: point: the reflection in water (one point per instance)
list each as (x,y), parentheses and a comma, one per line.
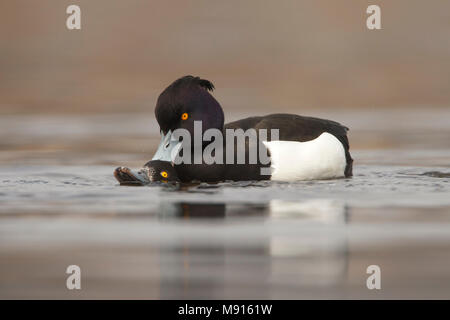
(320,210)
(188,210)
(321,259)
(437,174)
(192,210)
(208,268)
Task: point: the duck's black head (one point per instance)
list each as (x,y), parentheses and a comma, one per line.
(153,171)
(185,101)
(161,171)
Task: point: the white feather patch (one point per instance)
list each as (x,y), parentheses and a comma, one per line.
(321,158)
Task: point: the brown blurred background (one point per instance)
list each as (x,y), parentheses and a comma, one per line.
(261,55)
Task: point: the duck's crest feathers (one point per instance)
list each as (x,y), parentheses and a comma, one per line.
(186,80)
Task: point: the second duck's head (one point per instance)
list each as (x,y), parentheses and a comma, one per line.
(186,100)
(160,171)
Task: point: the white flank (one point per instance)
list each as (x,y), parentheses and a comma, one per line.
(321,158)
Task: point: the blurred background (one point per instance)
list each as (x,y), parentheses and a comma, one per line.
(261,55)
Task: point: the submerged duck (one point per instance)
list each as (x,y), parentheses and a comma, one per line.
(153,171)
(307,148)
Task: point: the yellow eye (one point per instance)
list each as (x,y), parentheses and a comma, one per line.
(164,174)
(184,116)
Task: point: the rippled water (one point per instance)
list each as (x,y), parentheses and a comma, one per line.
(93,190)
(315,239)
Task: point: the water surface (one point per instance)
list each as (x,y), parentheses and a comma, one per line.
(60,205)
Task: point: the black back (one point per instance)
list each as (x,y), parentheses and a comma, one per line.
(298,128)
